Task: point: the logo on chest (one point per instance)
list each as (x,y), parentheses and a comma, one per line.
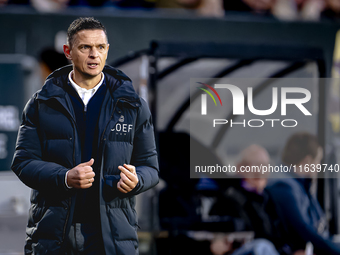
(121,119)
(122,128)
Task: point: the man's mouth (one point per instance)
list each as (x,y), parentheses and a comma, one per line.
(92,65)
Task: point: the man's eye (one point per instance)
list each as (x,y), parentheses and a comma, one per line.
(85,47)
(101,47)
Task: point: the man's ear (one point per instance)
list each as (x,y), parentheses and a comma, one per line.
(67,50)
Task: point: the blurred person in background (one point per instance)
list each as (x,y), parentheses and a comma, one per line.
(298,9)
(282,9)
(254,6)
(131,3)
(3,3)
(249,201)
(209,8)
(297,206)
(50,60)
(212,8)
(332,9)
(86,148)
(49,5)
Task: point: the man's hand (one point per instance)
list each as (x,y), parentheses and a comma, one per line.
(220,246)
(128,178)
(81,176)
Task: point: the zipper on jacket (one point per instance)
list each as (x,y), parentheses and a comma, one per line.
(67,217)
(70,198)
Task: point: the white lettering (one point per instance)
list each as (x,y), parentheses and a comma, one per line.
(3,146)
(262,112)
(298,102)
(219,122)
(238,123)
(239,101)
(124,127)
(238,97)
(272,120)
(9,118)
(262,122)
(289,120)
(256,122)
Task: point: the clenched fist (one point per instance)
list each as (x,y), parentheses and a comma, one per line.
(81,176)
(128,178)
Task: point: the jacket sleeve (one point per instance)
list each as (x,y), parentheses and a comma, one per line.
(287,202)
(144,155)
(27,162)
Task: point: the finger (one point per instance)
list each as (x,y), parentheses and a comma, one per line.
(131,178)
(86,186)
(88,163)
(84,176)
(86,183)
(127,181)
(88,169)
(131,168)
(83,184)
(89,175)
(124,186)
(120,188)
(89,172)
(126,172)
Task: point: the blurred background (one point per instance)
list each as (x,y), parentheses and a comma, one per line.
(160,45)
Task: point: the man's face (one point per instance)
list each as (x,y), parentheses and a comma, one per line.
(308,161)
(254,157)
(88,53)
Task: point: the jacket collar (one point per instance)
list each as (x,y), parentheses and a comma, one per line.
(119,84)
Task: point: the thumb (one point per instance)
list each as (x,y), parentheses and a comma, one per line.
(88,163)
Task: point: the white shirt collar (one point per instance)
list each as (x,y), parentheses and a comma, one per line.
(78,88)
(85,94)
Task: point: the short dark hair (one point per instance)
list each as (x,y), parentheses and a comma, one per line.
(83,23)
(299,146)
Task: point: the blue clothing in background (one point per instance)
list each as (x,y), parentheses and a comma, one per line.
(257,247)
(302,214)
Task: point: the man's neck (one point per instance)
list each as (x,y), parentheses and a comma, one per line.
(86,83)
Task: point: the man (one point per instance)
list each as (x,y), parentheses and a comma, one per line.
(86,148)
(248,201)
(298,208)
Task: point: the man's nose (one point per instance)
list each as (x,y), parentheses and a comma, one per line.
(93,53)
